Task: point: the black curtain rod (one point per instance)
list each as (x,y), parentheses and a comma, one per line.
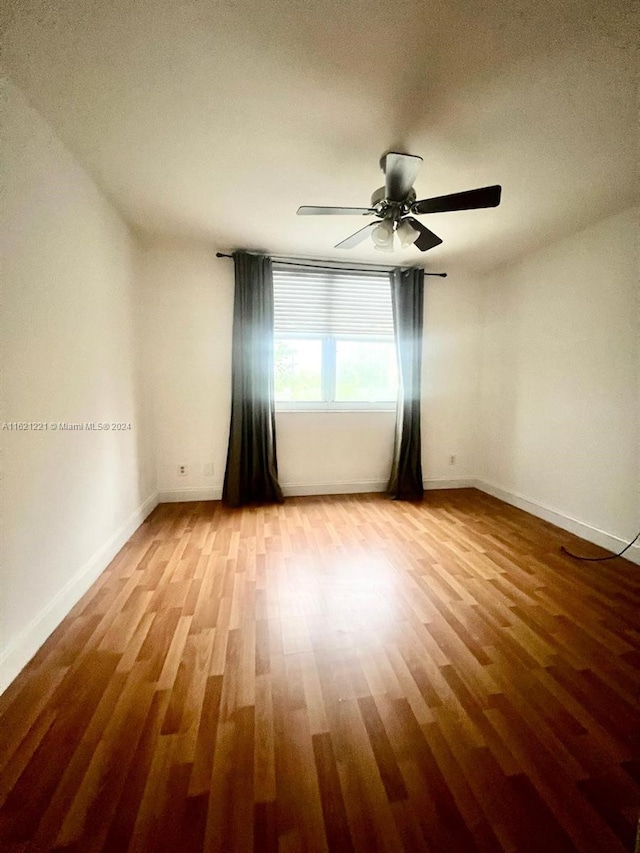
(320,266)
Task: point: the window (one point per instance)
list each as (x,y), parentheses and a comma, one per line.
(334,341)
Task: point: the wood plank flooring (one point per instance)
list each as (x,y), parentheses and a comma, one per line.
(335,674)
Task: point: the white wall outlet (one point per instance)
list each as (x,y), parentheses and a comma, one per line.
(207,469)
(452,459)
(182,470)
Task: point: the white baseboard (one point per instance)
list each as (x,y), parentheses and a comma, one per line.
(458,483)
(294,490)
(24,646)
(289,490)
(347,487)
(565,522)
(191,493)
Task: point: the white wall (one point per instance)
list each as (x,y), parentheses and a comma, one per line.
(189,312)
(69,306)
(326,452)
(189,297)
(451,377)
(561,380)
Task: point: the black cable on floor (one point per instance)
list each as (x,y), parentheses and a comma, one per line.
(599,559)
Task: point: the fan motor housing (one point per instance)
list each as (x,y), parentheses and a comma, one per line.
(380,201)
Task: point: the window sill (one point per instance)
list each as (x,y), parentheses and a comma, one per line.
(298,409)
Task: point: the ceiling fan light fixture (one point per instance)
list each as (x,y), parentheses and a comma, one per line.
(407,234)
(382,236)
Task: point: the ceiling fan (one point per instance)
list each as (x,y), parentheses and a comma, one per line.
(395,206)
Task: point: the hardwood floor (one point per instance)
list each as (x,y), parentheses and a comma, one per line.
(342,673)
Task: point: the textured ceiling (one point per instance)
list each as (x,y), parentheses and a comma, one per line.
(215,121)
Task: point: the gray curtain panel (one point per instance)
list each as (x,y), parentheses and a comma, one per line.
(407,297)
(252,472)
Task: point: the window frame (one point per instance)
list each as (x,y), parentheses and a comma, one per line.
(328,377)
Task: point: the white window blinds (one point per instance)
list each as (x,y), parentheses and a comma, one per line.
(331,302)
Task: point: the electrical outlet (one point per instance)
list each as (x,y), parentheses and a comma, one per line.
(207,469)
(182,470)
(452,459)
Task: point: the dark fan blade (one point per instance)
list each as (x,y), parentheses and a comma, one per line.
(356,238)
(469,200)
(427,239)
(334,211)
(400,171)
